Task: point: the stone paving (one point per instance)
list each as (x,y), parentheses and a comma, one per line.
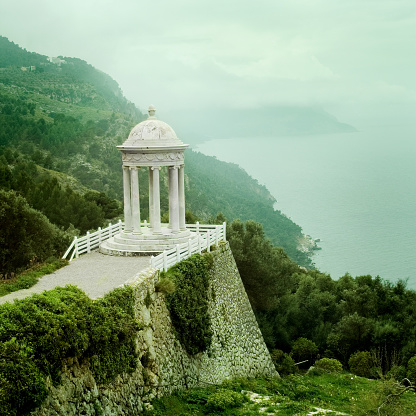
(95,273)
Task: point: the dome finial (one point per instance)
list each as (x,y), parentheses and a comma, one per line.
(151,110)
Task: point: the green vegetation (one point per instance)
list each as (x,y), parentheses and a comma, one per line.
(361,364)
(283,362)
(289,396)
(165,285)
(298,310)
(25,235)
(331,365)
(411,369)
(304,349)
(63,206)
(188,304)
(30,276)
(38,332)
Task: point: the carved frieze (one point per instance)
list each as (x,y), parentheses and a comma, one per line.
(148,157)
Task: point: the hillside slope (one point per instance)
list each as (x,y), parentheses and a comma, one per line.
(67,116)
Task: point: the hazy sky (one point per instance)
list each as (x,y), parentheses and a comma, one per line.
(352,57)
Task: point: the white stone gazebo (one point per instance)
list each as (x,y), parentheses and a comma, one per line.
(154,145)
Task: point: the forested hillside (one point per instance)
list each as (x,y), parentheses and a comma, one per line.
(365,322)
(60,123)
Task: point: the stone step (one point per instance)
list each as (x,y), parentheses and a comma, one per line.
(137,246)
(128,238)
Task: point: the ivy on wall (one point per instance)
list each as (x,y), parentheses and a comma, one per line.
(188,304)
(38,332)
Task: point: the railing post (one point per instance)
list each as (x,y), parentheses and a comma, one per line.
(189,248)
(110,233)
(88,242)
(152,262)
(197,227)
(209,241)
(69,249)
(165,261)
(76,248)
(145,223)
(224,227)
(99,235)
(178,254)
(217,235)
(119,226)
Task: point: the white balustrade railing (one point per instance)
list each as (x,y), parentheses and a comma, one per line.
(91,241)
(205,235)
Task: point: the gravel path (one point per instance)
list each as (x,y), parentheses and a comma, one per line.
(95,273)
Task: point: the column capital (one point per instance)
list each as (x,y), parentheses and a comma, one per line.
(173,167)
(156,167)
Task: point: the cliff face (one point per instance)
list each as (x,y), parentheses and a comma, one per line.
(237,349)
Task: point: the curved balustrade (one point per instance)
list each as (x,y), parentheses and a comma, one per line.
(203,236)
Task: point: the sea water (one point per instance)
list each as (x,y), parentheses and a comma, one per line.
(356,192)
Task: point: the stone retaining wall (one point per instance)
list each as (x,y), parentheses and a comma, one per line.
(237,349)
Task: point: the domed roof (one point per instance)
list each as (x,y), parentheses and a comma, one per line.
(152,132)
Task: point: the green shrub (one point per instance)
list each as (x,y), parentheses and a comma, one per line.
(224,399)
(188,305)
(197,396)
(360,364)
(38,332)
(314,372)
(165,285)
(411,369)
(304,349)
(397,372)
(22,385)
(331,365)
(26,234)
(112,346)
(283,362)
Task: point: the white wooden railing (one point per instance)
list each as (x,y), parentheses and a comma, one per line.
(91,241)
(205,236)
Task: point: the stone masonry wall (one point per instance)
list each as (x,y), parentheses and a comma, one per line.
(237,349)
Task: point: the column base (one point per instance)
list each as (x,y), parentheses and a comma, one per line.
(147,241)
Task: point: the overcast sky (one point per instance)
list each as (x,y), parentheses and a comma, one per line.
(348,56)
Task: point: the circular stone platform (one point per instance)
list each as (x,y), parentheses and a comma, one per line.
(128,244)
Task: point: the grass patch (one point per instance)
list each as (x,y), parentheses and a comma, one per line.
(288,396)
(30,277)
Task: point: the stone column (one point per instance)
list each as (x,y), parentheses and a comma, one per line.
(151,198)
(170,196)
(181,192)
(128,228)
(173,199)
(135,202)
(157,229)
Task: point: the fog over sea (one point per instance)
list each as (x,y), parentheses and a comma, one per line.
(356,192)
